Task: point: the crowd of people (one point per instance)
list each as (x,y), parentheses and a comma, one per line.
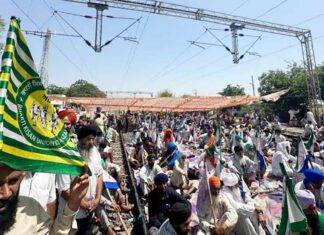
(196,173)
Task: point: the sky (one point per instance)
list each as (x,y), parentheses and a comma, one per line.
(164,58)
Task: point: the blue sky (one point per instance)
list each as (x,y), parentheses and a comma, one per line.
(163,58)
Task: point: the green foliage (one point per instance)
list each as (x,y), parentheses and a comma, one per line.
(82,88)
(294,78)
(165,93)
(2,27)
(231,90)
(56,90)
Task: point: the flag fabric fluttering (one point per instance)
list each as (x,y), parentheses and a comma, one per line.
(310,143)
(261,160)
(218,135)
(301,154)
(32,137)
(293,219)
(109,181)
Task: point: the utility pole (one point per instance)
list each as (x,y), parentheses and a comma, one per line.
(43,68)
(252,83)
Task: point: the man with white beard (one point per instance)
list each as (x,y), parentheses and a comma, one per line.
(91,155)
(248,217)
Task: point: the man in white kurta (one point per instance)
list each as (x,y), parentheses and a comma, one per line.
(247,223)
(41,187)
(147,174)
(225,214)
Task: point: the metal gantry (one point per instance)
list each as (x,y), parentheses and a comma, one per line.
(176,10)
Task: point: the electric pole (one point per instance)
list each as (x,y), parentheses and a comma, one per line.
(252,83)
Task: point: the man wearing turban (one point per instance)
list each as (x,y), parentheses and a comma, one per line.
(147,174)
(179,220)
(225,214)
(249,218)
(160,200)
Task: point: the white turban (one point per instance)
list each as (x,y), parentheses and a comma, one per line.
(229,179)
(306,198)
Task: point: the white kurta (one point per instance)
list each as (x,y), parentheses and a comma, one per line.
(147,175)
(245,210)
(40,186)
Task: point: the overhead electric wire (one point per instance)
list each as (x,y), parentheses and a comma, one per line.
(238,7)
(189,46)
(94,17)
(271,9)
(84,64)
(132,56)
(37,33)
(241,57)
(74,29)
(59,49)
(266,12)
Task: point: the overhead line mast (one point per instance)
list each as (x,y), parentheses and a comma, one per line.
(176,10)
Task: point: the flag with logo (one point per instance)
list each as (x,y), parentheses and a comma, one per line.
(293,219)
(32,137)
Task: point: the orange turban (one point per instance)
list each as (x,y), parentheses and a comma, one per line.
(214,181)
(70,114)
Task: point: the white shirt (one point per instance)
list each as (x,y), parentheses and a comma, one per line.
(93,158)
(40,186)
(147,174)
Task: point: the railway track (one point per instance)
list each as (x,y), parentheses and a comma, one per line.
(135,221)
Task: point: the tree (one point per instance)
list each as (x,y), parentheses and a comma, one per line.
(294,78)
(82,88)
(56,90)
(231,90)
(2,25)
(165,93)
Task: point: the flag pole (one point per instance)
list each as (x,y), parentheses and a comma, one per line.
(118,213)
(210,196)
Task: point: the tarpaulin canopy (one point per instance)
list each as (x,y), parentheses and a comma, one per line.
(170,104)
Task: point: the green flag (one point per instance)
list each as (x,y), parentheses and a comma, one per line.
(32,137)
(292,217)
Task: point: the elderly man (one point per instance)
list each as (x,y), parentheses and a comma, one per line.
(179,220)
(147,174)
(160,200)
(23,215)
(248,222)
(225,215)
(91,155)
(315,220)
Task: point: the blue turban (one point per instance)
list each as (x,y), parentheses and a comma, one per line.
(313,176)
(161,178)
(238,137)
(171,146)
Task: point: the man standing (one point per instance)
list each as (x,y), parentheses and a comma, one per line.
(41,187)
(23,215)
(91,155)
